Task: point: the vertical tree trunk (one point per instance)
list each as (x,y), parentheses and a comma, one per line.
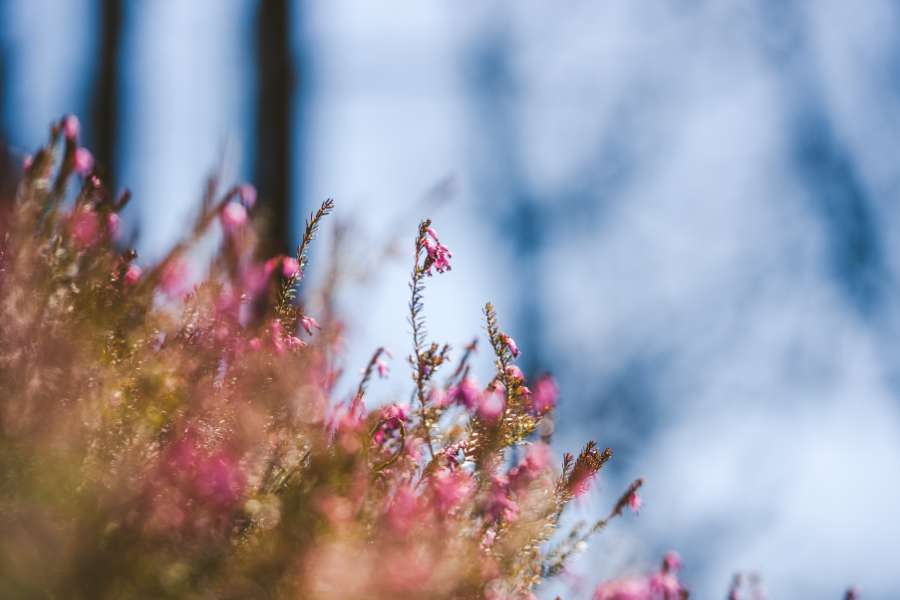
(103,134)
(274,119)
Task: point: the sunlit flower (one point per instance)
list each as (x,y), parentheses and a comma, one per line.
(84,226)
(544,394)
(438,254)
(635,502)
(466,393)
(84,161)
(133,274)
(233,216)
(290,267)
(511,345)
(308,323)
(71,127)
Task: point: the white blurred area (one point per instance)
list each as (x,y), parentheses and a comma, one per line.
(687,210)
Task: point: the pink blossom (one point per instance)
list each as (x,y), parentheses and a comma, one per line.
(382,367)
(500,505)
(71,127)
(27,161)
(133,274)
(537,458)
(308,323)
(175,277)
(451,488)
(112,224)
(515,373)
(290,267)
(84,226)
(511,345)
(623,589)
(671,561)
(466,393)
(439,398)
(665,585)
(544,395)
(635,502)
(439,254)
(247,194)
(404,508)
(84,161)
(492,403)
(233,216)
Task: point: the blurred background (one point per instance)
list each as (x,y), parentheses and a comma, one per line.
(686,210)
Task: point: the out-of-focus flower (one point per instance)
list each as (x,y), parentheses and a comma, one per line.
(233,216)
(382,368)
(467,393)
(511,345)
(515,373)
(451,487)
(290,267)
(175,278)
(671,561)
(133,274)
(492,403)
(544,394)
(308,323)
(112,224)
(247,194)
(27,162)
(84,226)
(83,161)
(635,502)
(71,127)
(623,589)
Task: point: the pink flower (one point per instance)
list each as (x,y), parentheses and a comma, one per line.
(466,393)
(175,276)
(112,224)
(537,458)
(290,267)
(500,505)
(247,194)
(438,398)
(635,502)
(27,161)
(439,254)
(233,216)
(451,488)
(511,344)
(84,227)
(492,403)
(84,161)
(515,373)
(623,589)
(671,561)
(383,368)
(404,508)
(133,274)
(665,585)
(544,395)
(308,323)
(71,127)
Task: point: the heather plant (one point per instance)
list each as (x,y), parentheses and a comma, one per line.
(177,431)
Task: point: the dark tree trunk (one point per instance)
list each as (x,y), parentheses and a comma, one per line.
(103,134)
(274,118)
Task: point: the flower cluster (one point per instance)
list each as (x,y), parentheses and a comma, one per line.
(175,430)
